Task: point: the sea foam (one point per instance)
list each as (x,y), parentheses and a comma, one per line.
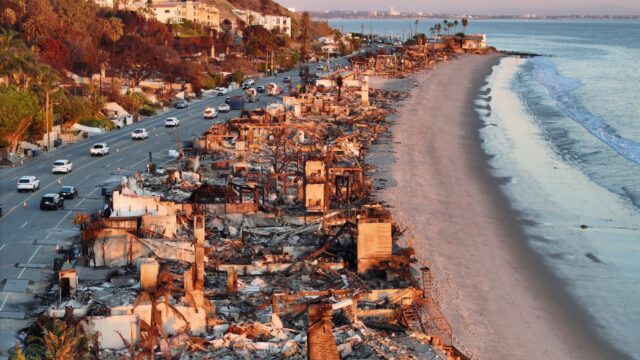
(560,88)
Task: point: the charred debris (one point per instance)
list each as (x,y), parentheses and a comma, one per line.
(261,240)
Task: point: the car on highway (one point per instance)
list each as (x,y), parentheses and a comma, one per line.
(52,202)
(182,105)
(172,122)
(68,192)
(221,91)
(139,134)
(286,79)
(320,67)
(248,83)
(0,210)
(261,89)
(224,108)
(99,149)
(210,113)
(62,166)
(30,183)
(227,100)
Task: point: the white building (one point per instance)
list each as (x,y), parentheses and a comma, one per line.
(326,40)
(331,49)
(474,41)
(269,22)
(177,11)
(104,3)
(393,11)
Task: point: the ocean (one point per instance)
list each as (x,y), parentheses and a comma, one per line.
(564,130)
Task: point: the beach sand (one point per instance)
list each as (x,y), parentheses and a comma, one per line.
(500,299)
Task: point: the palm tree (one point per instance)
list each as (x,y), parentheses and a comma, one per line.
(465,23)
(114,30)
(446,24)
(455,24)
(8,17)
(449,27)
(417,25)
(339,83)
(438,29)
(45,81)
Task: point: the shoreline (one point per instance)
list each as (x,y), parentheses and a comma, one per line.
(500,298)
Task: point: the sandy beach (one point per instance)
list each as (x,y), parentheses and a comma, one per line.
(501,301)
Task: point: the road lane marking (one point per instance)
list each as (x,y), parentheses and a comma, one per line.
(32,256)
(4,302)
(88,176)
(2,247)
(59,222)
(23,225)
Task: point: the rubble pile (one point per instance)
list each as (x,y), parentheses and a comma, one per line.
(261,241)
(402,61)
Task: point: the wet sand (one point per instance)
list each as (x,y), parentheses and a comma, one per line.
(496,293)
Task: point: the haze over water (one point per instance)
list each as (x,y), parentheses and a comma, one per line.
(564,131)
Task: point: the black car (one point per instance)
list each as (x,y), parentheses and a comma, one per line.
(182,105)
(260,89)
(227,100)
(0,210)
(52,201)
(68,192)
(287,79)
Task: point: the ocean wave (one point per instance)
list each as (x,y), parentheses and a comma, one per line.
(560,88)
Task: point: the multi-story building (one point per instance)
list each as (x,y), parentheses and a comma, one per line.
(178,11)
(393,11)
(104,3)
(269,22)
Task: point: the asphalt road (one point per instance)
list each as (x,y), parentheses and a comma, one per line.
(29,236)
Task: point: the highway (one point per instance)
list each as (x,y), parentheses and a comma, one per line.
(29,236)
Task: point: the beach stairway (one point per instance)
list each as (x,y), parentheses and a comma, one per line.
(412,319)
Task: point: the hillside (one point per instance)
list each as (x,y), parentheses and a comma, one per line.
(268,7)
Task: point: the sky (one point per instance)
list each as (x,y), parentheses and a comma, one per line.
(488,7)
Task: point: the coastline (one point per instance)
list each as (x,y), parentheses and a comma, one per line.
(499,297)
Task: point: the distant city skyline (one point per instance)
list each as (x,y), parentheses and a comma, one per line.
(486,7)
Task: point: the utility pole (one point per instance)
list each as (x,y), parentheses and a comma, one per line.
(46,116)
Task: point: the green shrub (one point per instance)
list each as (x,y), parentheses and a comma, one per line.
(147,110)
(97,123)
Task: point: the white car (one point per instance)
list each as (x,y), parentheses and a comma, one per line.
(139,134)
(62,166)
(224,108)
(29,183)
(99,149)
(172,122)
(221,91)
(210,113)
(248,83)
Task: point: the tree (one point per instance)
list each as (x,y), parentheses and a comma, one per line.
(8,17)
(226,25)
(55,53)
(17,110)
(455,25)
(339,83)
(305,33)
(54,339)
(446,25)
(438,29)
(465,23)
(416,23)
(280,149)
(114,31)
